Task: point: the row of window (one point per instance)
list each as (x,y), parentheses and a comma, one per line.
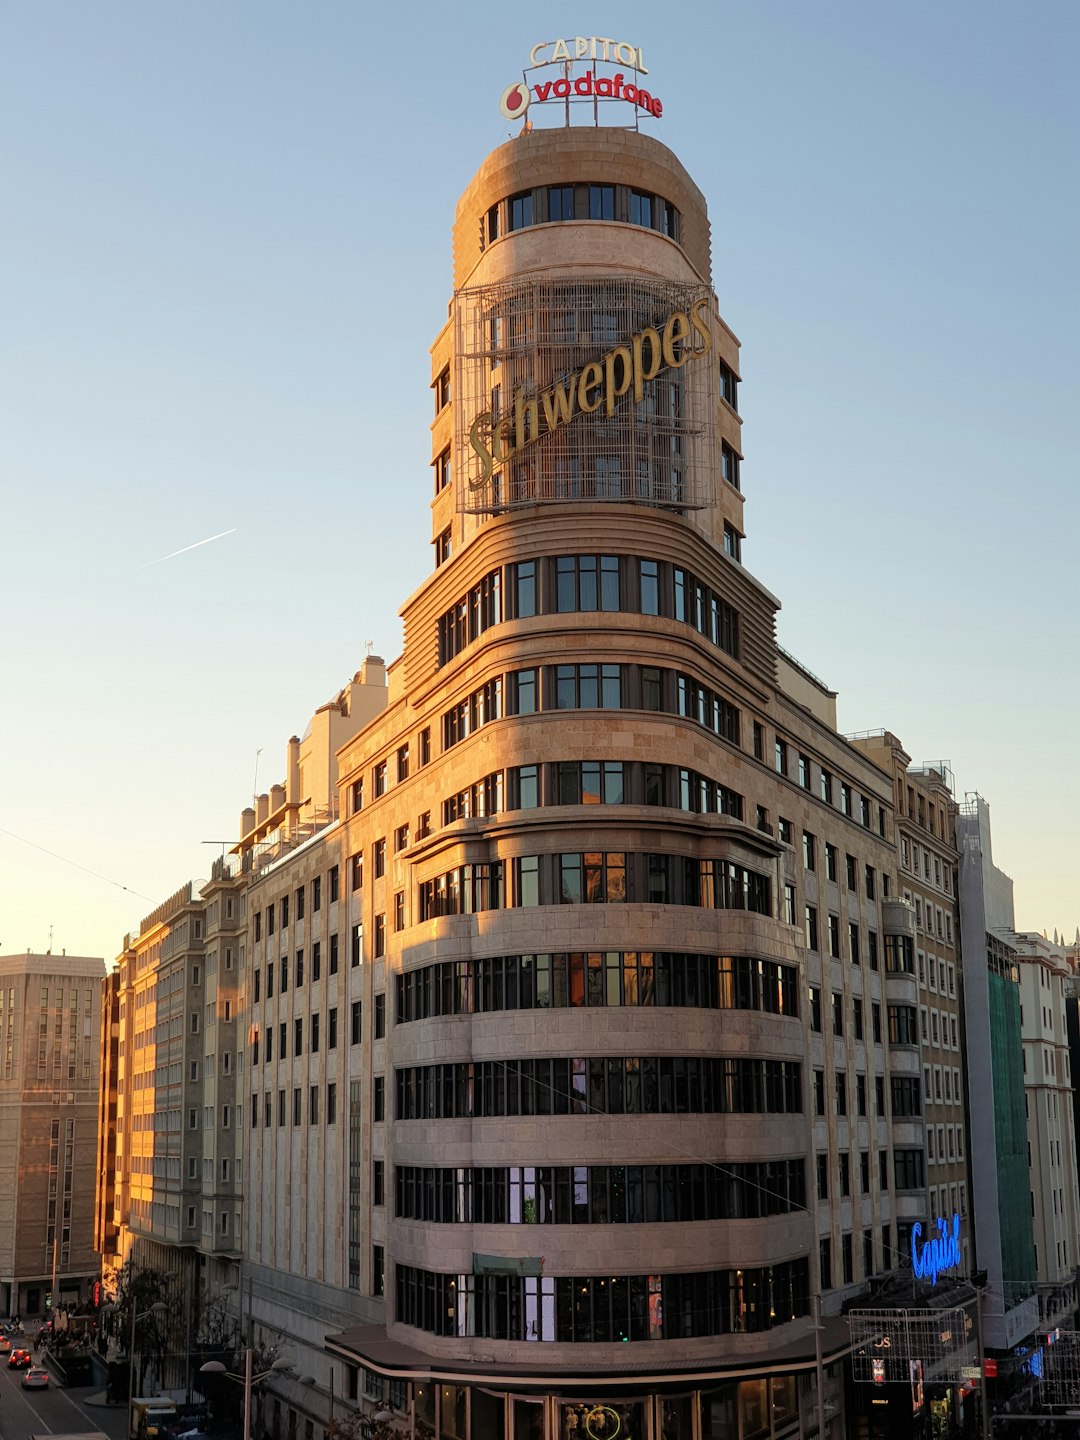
(830,791)
(278,914)
(606,1085)
(552,204)
(573,584)
(585,1308)
(592,782)
(603,687)
(596,979)
(601,1194)
(594,877)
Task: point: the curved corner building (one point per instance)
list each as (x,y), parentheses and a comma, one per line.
(611,882)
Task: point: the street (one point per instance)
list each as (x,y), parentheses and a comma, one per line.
(54,1411)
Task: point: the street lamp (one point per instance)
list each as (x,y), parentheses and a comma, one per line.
(247,1379)
(158,1308)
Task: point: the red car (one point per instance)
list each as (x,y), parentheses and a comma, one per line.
(19,1360)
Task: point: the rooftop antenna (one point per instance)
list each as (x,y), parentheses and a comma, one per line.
(255,782)
(369,646)
(49,951)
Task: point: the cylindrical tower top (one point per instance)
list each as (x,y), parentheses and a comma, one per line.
(548,176)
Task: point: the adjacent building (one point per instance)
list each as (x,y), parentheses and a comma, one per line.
(50,1066)
(1005,1243)
(1045,974)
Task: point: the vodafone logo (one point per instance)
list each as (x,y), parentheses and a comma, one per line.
(514,101)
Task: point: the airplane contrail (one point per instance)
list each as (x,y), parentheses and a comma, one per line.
(209,539)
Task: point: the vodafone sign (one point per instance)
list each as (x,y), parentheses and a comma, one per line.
(592,84)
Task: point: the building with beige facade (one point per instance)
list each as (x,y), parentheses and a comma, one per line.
(572,1041)
(1045,975)
(50,1049)
(928,861)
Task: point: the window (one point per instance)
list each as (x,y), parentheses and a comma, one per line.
(804,771)
(442,390)
(601,202)
(354,1023)
(316,893)
(808,850)
(378,1099)
(837,1013)
(815,1008)
(586,582)
(356,870)
(825,782)
(333,965)
(732,542)
(781,760)
(560,200)
(649,587)
(378,856)
(333,883)
(519,215)
(729,465)
(442,472)
(378,779)
(834,936)
(380,1015)
(443,544)
(399,911)
(832,863)
(588,687)
(401,838)
(380,935)
(729,385)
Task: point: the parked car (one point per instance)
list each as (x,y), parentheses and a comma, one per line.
(35,1379)
(19,1360)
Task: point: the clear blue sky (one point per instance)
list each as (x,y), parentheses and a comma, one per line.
(226,246)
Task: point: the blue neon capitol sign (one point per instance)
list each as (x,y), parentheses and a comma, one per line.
(941,1253)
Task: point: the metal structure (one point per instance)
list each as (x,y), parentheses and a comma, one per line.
(888,1342)
(522,355)
(1060,1366)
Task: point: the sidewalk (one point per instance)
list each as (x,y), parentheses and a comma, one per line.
(100,1403)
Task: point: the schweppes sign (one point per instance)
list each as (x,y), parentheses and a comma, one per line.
(599,385)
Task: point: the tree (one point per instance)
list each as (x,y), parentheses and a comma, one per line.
(137,1289)
(355,1425)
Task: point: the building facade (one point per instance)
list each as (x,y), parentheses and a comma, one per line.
(927,880)
(574,1031)
(1005,1243)
(1045,974)
(50,1049)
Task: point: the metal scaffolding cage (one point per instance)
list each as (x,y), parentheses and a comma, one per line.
(1060,1366)
(887,1343)
(525,354)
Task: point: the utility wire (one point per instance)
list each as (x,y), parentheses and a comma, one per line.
(65,861)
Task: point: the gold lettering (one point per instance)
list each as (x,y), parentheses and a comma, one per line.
(480,423)
(591,378)
(699,318)
(676,331)
(558,403)
(619,371)
(503,431)
(656,359)
(612,388)
(523,409)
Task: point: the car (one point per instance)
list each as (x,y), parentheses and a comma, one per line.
(19,1360)
(5,1345)
(35,1379)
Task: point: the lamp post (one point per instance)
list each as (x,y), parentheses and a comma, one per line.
(158,1308)
(247,1379)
